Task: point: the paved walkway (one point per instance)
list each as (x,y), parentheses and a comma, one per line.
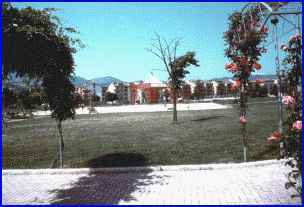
(145,108)
(246,183)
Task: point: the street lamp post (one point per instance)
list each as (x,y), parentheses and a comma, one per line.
(274,21)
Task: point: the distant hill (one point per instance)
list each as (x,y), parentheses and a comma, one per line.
(76,80)
(252,77)
(16,83)
(106,80)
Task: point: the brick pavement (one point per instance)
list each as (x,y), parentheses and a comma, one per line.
(247,183)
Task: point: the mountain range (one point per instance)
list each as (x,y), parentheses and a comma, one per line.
(76,80)
(17,84)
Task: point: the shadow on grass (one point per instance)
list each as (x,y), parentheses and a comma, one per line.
(109,187)
(118,160)
(208,118)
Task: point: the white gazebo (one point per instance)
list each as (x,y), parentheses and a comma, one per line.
(155,82)
(111,88)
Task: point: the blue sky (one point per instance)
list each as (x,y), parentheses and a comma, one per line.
(117,33)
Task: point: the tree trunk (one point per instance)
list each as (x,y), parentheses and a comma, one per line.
(243,111)
(61,145)
(174,107)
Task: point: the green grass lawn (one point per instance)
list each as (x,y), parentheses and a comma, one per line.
(200,137)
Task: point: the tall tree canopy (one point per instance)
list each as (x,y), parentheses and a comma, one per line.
(37,47)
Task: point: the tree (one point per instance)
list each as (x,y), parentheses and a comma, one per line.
(144,96)
(229,89)
(174,65)
(243,39)
(167,95)
(8,98)
(221,89)
(35,46)
(209,89)
(292,132)
(263,91)
(274,90)
(23,99)
(186,91)
(111,97)
(36,97)
(78,99)
(199,90)
(95,98)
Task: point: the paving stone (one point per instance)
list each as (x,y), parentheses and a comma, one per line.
(237,186)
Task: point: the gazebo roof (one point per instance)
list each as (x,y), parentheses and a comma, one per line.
(155,82)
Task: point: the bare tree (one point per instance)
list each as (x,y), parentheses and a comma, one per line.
(174,65)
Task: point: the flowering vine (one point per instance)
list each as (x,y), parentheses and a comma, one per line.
(292,133)
(243,38)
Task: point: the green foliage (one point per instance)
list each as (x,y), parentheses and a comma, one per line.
(166,94)
(244,39)
(292,133)
(178,69)
(95,98)
(143,94)
(78,100)
(255,90)
(263,92)
(36,47)
(186,91)
(199,90)
(252,90)
(293,87)
(286,88)
(274,90)
(111,96)
(176,66)
(8,97)
(221,89)
(23,97)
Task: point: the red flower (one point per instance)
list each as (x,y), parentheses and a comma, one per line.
(283,47)
(254,24)
(297,126)
(257,66)
(298,36)
(258,81)
(265,28)
(236,85)
(274,137)
(292,39)
(227,66)
(243,119)
(232,66)
(244,61)
(288,100)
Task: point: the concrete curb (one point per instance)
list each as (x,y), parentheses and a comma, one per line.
(142,169)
